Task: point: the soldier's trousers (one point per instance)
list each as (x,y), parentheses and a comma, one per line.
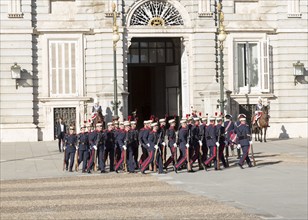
(221,154)
(83,157)
(135,153)
(150,159)
(109,151)
(172,156)
(101,156)
(144,155)
(204,152)
(91,159)
(245,156)
(70,156)
(130,160)
(183,158)
(121,160)
(196,155)
(213,154)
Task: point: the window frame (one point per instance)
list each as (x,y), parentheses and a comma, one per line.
(264,84)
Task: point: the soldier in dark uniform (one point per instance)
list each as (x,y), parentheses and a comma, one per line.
(100,144)
(129,142)
(244,140)
(203,127)
(229,127)
(220,137)
(184,144)
(152,143)
(162,134)
(60,133)
(109,145)
(83,147)
(118,134)
(135,142)
(143,139)
(211,142)
(121,147)
(171,143)
(196,143)
(70,143)
(92,147)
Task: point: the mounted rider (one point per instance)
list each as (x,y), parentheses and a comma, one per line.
(258,111)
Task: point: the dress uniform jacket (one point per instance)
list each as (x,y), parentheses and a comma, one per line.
(171,136)
(243,134)
(210,135)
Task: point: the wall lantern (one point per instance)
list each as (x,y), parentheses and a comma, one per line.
(15,71)
(298,70)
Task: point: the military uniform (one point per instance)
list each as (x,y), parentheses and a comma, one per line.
(120,139)
(244,138)
(70,145)
(151,143)
(129,141)
(92,141)
(135,145)
(195,142)
(210,135)
(202,130)
(109,148)
(183,143)
(100,144)
(83,149)
(172,146)
(220,136)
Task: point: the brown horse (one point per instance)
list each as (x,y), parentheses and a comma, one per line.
(261,124)
(99,118)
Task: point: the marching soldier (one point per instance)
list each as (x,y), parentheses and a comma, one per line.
(211,142)
(100,144)
(152,143)
(109,145)
(121,147)
(196,143)
(83,147)
(162,134)
(171,144)
(92,139)
(203,127)
(144,134)
(70,148)
(184,144)
(119,135)
(135,142)
(229,126)
(220,134)
(129,142)
(244,140)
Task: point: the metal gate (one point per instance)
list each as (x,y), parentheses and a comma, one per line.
(68,115)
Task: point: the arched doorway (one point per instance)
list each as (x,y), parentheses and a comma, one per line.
(154,77)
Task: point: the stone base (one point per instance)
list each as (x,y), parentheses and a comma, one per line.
(18,132)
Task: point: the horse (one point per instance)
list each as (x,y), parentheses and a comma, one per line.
(98,117)
(260,125)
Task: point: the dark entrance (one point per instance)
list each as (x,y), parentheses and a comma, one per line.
(68,115)
(154,77)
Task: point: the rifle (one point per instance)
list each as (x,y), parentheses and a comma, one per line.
(64,162)
(187,151)
(94,160)
(227,145)
(227,155)
(217,151)
(76,160)
(125,153)
(252,156)
(155,155)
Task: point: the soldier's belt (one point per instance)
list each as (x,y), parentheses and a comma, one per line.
(242,137)
(209,138)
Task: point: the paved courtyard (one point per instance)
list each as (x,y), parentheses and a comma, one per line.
(33,186)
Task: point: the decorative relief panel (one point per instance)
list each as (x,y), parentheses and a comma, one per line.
(156,13)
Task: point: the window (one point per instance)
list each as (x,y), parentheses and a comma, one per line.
(294,9)
(205,8)
(62,67)
(251,67)
(14,9)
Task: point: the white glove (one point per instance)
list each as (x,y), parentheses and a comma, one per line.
(226,142)
(200,143)
(217,144)
(238,146)
(64,148)
(156,147)
(94,146)
(148,144)
(187,145)
(77,147)
(124,147)
(164,144)
(250,142)
(175,145)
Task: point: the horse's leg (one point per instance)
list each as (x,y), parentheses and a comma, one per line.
(265,128)
(261,133)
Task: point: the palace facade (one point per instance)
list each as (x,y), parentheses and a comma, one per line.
(167,61)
